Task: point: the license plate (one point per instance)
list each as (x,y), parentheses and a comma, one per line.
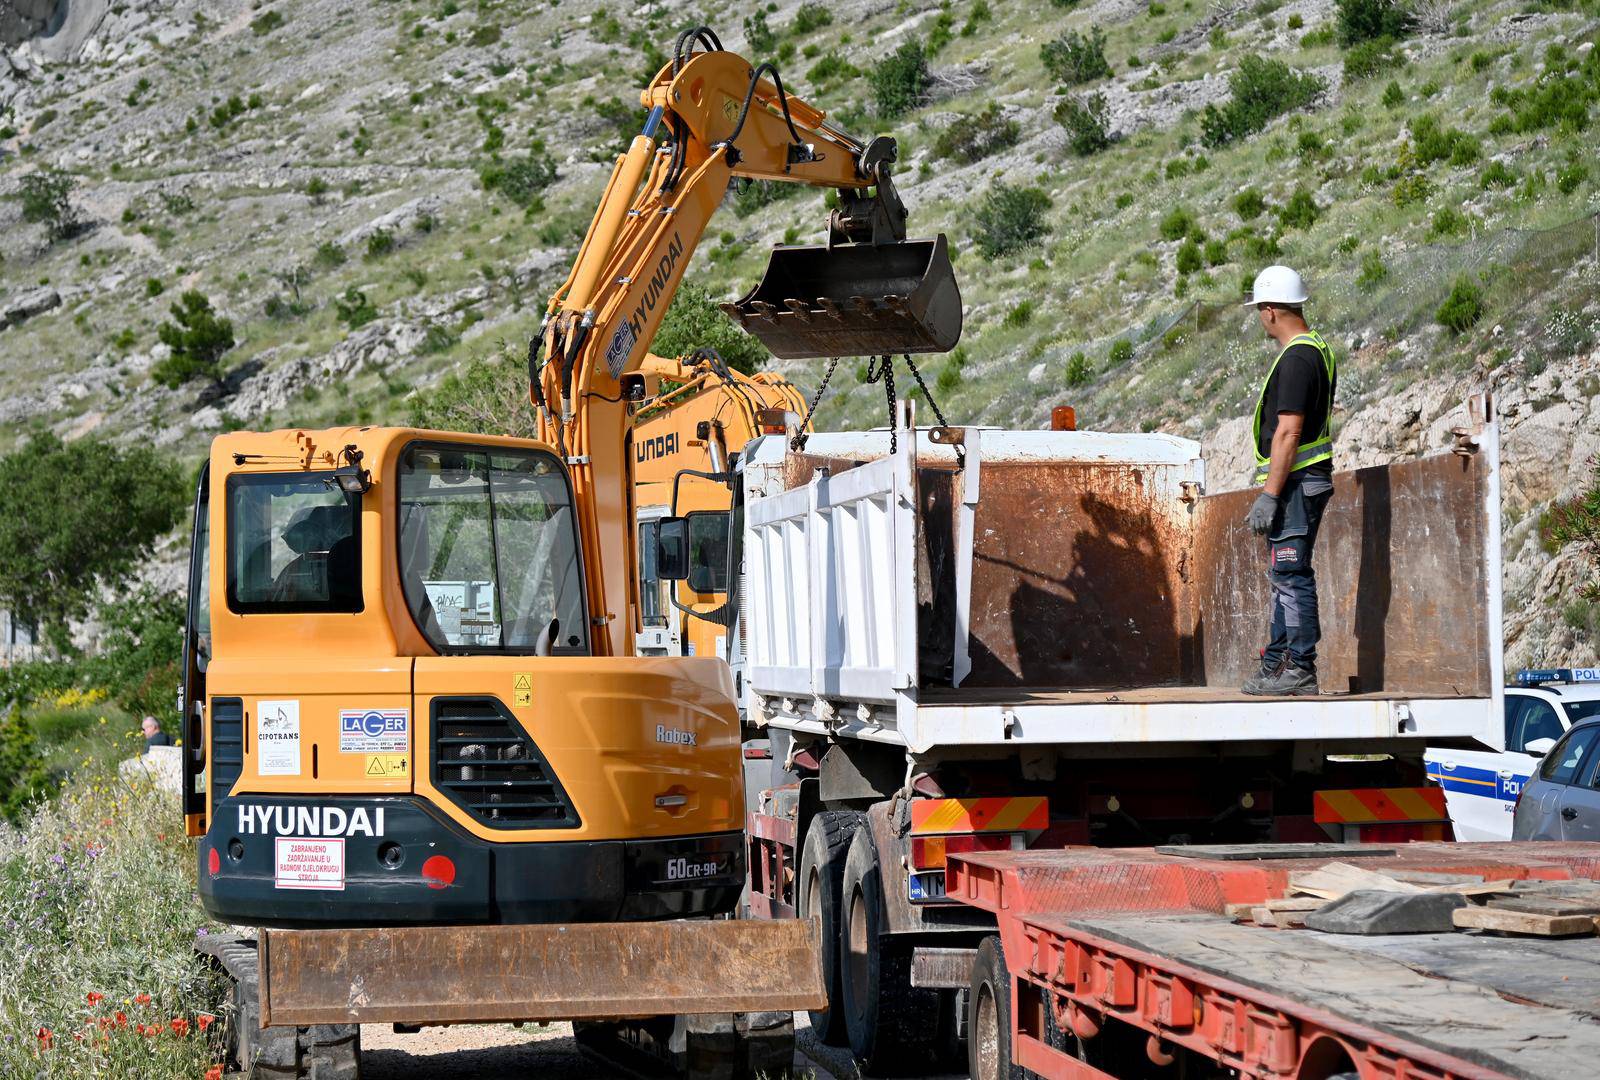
(926,887)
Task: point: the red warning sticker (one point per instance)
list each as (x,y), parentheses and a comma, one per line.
(308,864)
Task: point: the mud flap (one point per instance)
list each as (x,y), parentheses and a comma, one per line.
(586,971)
(854,300)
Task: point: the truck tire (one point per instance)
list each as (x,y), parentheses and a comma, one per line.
(822,858)
(989,1016)
(892,1025)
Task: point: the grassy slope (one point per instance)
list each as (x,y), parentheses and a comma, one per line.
(350,96)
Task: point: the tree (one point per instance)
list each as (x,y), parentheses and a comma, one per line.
(198,338)
(1010,219)
(74,516)
(47,200)
(900,80)
(487,395)
(693,321)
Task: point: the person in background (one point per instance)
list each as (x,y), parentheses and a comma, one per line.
(153,735)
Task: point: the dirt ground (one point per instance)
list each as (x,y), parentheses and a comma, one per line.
(502,1052)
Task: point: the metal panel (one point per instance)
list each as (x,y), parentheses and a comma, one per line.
(589,971)
(1402,582)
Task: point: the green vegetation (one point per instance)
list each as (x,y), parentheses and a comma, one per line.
(354,309)
(1010,219)
(1249,204)
(900,80)
(1073,59)
(1079,370)
(522,179)
(1084,118)
(328,255)
(380,242)
(198,338)
(59,543)
(1300,212)
(1577,521)
(760,36)
(1373,20)
(267,22)
(973,137)
(46,198)
(1121,352)
(811,16)
(1262,90)
(1176,224)
(693,321)
(1463,308)
(487,395)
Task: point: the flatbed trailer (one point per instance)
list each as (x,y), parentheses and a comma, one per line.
(1118,964)
(963,640)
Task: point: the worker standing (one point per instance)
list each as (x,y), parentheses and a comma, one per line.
(1294,466)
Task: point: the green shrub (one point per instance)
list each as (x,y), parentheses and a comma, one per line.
(380,242)
(1021,315)
(1073,58)
(1367,58)
(227,112)
(1431,143)
(1373,272)
(754,194)
(1393,96)
(1177,222)
(973,137)
(267,22)
(316,187)
(46,198)
(153,287)
(1448,221)
(1577,521)
(1261,91)
(1300,212)
(1121,352)
(1078,369)
(694,321)
(483,35)
(1216,252)
(354,309)
(328,255)
(950,375)
(521,179)
(1316,39)
(1368,20)
(812,16)
(1570,176)
(832,66)
(761,37)
(1010,219)
(980,13)
(23,776)
(198,338)
(1190,258)
(1310,146)
(1463,308)
(1497,175)
(900,81)
(1248,204)
(1083,116)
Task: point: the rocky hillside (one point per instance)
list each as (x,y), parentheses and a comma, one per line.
(376,192)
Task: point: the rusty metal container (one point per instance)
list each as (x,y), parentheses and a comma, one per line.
(854,300)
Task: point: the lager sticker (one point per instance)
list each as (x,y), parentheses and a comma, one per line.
(374,731)
(278,738)
(308,864)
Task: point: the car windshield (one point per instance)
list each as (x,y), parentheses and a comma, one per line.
(489,550)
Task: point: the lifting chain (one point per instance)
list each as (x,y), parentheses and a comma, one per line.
(881,369)
(798,442)
(961,451)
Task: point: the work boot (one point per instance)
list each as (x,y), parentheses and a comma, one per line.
(1267,671)
(1288,681)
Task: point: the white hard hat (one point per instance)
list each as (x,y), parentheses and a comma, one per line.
(1277,285)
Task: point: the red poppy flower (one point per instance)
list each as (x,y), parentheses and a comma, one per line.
(204,1020)
(214,1073)
(141,999)
(47,1038)
(95,999)
(121,1018)
(180,1026)
(139,1028)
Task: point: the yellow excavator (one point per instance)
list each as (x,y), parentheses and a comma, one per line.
(701,412)
(425,757)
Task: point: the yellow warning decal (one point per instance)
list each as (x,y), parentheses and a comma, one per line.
(730,109)
(388,766)
(522,689)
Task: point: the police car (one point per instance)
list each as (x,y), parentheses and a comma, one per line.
(1481,786)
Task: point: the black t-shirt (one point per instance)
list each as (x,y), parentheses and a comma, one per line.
(1299,385)
(160,738)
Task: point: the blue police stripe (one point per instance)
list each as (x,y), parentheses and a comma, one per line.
(1486,783)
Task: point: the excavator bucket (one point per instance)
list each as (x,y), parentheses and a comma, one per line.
(854,300)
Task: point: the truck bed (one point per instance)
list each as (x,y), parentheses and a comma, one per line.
(1024,697)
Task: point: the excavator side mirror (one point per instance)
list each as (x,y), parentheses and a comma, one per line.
(672,548)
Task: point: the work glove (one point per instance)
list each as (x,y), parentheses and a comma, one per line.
(1262,512)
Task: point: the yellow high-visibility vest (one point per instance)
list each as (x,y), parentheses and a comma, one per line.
(1318,449)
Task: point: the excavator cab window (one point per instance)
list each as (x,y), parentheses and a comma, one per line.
(293,545)
(489,550)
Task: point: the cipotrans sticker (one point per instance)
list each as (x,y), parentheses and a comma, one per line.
(278,738)
(308,864)
(374,731)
